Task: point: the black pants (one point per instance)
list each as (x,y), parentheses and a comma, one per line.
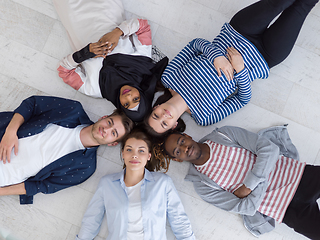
(303,214)
(276,41)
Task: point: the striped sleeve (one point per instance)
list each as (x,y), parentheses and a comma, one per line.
(205,47)
(244,87)
(179,62)
(232,104)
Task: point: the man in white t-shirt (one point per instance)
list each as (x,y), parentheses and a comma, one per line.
(49,143)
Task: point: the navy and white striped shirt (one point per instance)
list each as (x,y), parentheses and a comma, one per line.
(192,74)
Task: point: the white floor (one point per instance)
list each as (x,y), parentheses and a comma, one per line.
(32,40)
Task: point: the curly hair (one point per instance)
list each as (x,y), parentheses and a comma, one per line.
(162,156)
(155,163)
(160,152)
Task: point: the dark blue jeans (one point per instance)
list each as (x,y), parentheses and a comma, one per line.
(274,42)
(303,214)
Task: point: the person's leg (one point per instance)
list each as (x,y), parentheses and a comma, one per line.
(253,20)
(279,39)
(303,214)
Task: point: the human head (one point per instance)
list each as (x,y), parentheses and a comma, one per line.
(112,129)
(129,97)
(138,133)
(141,104)
(182,147)
(139,72)
(162,111)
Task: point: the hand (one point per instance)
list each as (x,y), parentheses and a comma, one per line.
(8,142)
(242,191)
(111,39)
(222,63)
(235,59)
(99,49)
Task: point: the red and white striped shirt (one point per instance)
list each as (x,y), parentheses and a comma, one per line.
(228,167)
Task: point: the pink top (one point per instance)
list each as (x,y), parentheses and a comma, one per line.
(228,166)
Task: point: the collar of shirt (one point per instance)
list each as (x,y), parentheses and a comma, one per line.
(120,177)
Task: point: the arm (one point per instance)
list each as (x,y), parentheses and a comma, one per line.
(126,28)
(215,56)
(178,219)
(130,27)
(184,56)
(38,105)
(230,202)
(29,108)
(234,103)
(70,170)
(93,216)
(10,138)
(16,189)
(267,154)
(242,191)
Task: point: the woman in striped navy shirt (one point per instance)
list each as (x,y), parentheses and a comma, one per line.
(203,75)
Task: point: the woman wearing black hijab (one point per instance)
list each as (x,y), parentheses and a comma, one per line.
(116,65)
(122,75)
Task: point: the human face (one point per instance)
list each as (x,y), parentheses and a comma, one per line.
(129,96)
(135,154)
(163,118)
(108,130)
(183,147)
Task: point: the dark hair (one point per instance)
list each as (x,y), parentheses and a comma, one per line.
(126,122)
(181,126)
(162,154)
(139,133)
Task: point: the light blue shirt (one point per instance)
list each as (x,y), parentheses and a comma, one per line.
(159,199)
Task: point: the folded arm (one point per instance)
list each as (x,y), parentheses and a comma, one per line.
(267,154)
(234,103)
(218,59)
(230,202)
(247,200)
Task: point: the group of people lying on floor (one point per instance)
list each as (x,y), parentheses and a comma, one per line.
(49,143)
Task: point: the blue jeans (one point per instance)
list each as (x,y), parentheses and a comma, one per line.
(276,41)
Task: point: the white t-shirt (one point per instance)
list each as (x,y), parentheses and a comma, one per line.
(37,151)
(135,226)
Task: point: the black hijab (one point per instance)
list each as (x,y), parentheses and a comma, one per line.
(136,71)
